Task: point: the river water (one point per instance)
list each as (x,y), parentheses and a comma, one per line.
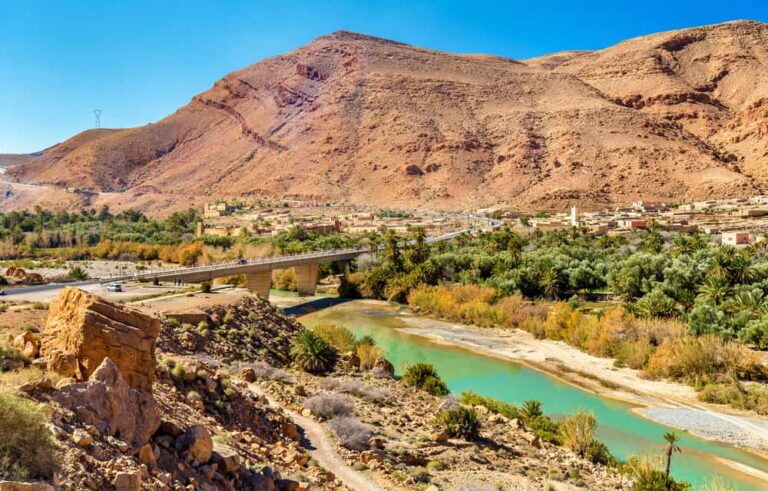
(624,432)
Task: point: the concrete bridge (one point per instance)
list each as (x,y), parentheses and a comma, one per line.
(258,272)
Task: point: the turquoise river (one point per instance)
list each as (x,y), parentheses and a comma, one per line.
(623,431)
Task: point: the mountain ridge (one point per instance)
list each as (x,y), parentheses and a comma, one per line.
(354,118)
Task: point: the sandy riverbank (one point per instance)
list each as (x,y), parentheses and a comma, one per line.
(666,402)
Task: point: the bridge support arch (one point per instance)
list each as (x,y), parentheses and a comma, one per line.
(306,279)
(259,283)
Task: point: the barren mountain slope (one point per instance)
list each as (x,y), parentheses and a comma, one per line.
(670,116)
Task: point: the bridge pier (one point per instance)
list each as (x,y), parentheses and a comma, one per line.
(259,283)
(306,279)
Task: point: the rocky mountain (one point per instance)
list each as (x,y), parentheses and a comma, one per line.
(673,116)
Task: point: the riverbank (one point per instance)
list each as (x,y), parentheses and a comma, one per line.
(665,402)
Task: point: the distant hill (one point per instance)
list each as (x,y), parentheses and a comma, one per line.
(673,116)
(7,159)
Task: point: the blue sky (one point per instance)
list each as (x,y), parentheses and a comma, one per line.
(138,61)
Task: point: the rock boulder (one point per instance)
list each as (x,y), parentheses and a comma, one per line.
(92,329)
(111,405)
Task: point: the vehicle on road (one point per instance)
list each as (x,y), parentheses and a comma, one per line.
(114,287)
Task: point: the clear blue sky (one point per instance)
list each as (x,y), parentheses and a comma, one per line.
(140,60)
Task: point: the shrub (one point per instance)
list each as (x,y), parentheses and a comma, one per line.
(351,433)
(206,286)
(460,422)
(355,387)
(368,355)
(495,406)
(415,375)
(339,337)
(577,431)
(312,353)
(39,306)
(10,356)
(78,273)
(598,453)
(284,279)
(27,450)
(435,386)
(532,409)
(329,405)
(649,477)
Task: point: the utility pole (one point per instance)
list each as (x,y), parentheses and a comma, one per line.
(97,118)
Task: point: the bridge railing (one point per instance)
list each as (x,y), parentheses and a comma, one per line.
(266,260)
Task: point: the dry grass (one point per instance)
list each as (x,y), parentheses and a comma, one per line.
(368,355)
(577,431)
(27,450)
(339,337)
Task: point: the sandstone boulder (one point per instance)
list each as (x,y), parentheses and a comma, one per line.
(93,329)
(65,364)
(197,442)
(111,405)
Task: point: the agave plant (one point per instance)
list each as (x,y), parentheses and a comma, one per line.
(312,353)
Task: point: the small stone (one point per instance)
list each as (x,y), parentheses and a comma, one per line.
(248,374)
(81,438)
(300,391)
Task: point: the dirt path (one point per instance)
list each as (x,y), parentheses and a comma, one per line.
(323,450)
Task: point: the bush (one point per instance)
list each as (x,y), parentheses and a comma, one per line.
(10,356)
(351,433)
(368,355)
(459,422)
(495,406)
(329,406)
(435,386)
(355,387)
(424,376)
(27,450)
(339,337)
(312,353)
(284,279)
(598,453)
(206,286)
(265,371)
(649,477)
(577,431)
(78,273)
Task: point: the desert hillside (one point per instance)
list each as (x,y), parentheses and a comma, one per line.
(673,116)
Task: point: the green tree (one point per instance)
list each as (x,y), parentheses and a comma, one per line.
(672,447)
(312,353)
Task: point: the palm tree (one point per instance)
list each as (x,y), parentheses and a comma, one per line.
(715,289)
(312,353)
(532,409)
(740,270)
(550,283)
(672,447)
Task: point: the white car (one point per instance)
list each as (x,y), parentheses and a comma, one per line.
(114,287)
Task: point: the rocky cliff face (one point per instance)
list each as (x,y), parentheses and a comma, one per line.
(670,116)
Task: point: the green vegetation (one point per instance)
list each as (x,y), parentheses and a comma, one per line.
(574,432)
(459,422)
(312,353)
(339,337)
(78,273)
(424,376)
(27,450)
(10,357)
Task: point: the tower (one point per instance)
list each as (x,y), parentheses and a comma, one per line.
(97,118)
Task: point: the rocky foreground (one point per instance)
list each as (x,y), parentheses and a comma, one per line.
(139,402)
